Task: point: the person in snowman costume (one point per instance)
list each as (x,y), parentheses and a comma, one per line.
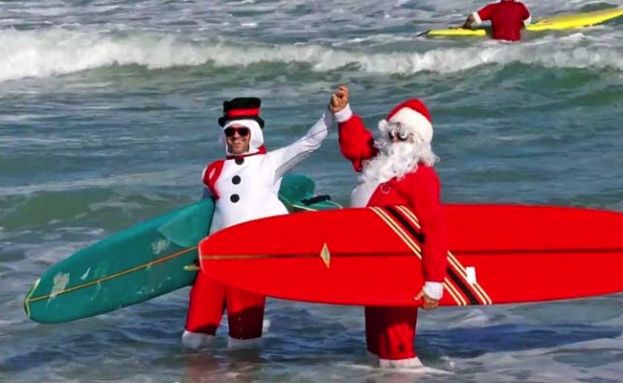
(245,186)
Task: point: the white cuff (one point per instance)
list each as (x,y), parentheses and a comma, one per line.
(477,19)
(400,363)
(527,21)
(196,340)
(433,290)
(344,114)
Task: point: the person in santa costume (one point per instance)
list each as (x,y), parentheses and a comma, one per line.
(245,186)
(397,169)
(508,18)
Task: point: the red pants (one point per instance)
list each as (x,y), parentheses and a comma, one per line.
(390,332)
(208,300)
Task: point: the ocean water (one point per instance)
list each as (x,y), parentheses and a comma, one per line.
(108,114)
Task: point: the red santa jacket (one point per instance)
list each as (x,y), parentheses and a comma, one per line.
(507,18)
(419,190)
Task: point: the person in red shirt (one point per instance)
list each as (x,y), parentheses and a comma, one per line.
(397,169)
(508,18)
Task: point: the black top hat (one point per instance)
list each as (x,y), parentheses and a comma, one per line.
(241,108)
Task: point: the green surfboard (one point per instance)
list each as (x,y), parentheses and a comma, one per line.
(147,260)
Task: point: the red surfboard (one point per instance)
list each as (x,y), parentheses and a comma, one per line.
(372,256)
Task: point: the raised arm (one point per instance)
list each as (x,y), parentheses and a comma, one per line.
(356,142)
(286,158)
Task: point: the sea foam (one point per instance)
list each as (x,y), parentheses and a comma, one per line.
(52,52)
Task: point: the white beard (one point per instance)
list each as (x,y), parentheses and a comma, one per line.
(396,160)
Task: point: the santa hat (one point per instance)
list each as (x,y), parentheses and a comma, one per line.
(412,116)
(244,111)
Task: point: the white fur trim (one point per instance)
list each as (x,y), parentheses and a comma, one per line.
(527,21)
(414,121)
(360,196)
(196,340)
(400,363)
(344,114)
(243,343)
(394,363)
(433,289)
(257,137)
(477,19)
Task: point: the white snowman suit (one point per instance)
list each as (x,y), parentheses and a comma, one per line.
(245,187)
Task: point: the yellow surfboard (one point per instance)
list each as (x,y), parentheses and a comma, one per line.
(560,22)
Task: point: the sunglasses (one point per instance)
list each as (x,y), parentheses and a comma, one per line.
(230,132)
(398,135)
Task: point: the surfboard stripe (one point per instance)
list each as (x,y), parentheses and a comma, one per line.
(112,276)
(453,263)
(28,297)
(479,290)
(464,289)
(302,255)
(560,250)
(454,291)
(459,299)
(396,228)
(453,288)
(460,269)
(459,277)
(410,215)
(415,232)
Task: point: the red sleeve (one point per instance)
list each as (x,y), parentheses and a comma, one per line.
(425,200)
(525,12)
(356,142)
(211,174)
(486,12)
